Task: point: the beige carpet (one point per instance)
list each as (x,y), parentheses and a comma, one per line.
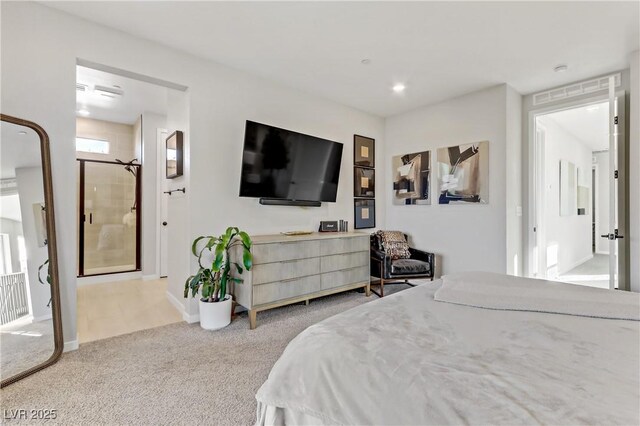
(175,374)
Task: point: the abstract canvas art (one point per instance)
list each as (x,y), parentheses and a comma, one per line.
(411,178)
(463,172)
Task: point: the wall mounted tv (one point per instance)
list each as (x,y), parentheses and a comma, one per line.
(288,168)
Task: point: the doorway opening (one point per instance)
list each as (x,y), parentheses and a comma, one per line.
(578,156)
(120,122)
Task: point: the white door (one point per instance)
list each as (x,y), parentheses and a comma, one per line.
(164,219)
(615,233)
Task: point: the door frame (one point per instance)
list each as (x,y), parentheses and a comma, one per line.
(534,166)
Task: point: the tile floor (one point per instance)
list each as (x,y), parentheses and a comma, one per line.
(115,308)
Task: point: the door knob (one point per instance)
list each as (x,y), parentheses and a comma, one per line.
(612,236)
(164,223)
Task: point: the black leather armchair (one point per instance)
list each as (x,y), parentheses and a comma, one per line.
(421,265)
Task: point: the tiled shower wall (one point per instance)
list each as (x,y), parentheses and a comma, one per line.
(110,227)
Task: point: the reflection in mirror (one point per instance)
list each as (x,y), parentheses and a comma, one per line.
(26,328)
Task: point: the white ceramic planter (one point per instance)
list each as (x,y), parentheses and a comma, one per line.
(217,315)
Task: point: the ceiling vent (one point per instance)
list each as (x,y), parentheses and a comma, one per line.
(573,90)
(108,92)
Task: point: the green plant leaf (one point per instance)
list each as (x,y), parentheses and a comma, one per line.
(194,246)
(223,286)
(187,286)
(247,259)
(246,239)
(217,262)
(238,267)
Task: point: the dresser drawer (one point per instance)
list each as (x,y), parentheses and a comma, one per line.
(344,277)
(344,261)
(273,292)
(284,270)
(344,245)
(290,250)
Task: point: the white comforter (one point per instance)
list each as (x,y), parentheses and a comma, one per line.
(408,359)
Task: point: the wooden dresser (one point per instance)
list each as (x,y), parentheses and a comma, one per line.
(293,269)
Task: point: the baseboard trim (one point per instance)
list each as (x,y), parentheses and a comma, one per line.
(42,318)
(107,278)
(175,302)
(71,345)
(602,252)
(189,318)
(150,277)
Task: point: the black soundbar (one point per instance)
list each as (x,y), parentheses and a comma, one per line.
(281,202)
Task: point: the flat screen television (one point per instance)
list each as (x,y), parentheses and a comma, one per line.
(279,164)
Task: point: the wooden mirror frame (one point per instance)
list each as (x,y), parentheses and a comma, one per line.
(56,313)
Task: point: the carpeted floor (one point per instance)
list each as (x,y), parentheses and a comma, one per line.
(175,374)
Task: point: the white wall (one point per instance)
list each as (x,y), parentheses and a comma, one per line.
(39,41)
(568,238)
(514,182)
(150,193)
(602,201)
(467,237)
(634,172)
(31,190)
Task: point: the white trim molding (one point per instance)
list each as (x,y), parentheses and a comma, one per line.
(189,318)
(71,345)
(108,278)
(576,89)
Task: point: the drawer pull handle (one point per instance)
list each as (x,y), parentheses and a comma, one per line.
(290,279)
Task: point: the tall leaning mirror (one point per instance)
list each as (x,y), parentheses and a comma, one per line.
(30,320)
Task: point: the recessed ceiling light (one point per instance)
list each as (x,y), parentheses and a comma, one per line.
(22,133)
(399,88)
(561,68)
(84,112)
(365,61)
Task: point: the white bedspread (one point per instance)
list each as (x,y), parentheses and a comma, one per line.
(408,359)
(496,291)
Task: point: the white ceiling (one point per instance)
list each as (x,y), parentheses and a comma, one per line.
(438,49)
(590,124)
(138,97)
(17,150)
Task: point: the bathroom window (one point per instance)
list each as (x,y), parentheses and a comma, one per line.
(95,146)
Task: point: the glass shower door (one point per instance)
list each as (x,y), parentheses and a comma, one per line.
(109,217)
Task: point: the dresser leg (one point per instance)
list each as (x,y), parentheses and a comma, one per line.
(367,290)
(252,319)
(306,302)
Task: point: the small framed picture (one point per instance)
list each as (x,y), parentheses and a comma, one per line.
(365,213)
(364,182)
(174,154)
(364,151)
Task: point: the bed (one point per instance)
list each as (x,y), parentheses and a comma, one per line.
(474,348)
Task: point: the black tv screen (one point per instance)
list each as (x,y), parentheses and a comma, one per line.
(286,165)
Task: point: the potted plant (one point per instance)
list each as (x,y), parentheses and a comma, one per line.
(212,280)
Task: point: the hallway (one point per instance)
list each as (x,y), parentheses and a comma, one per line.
(592,273)
(115,308)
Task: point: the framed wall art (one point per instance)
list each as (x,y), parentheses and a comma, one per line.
(365,213)
(364,151)
(364,182)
